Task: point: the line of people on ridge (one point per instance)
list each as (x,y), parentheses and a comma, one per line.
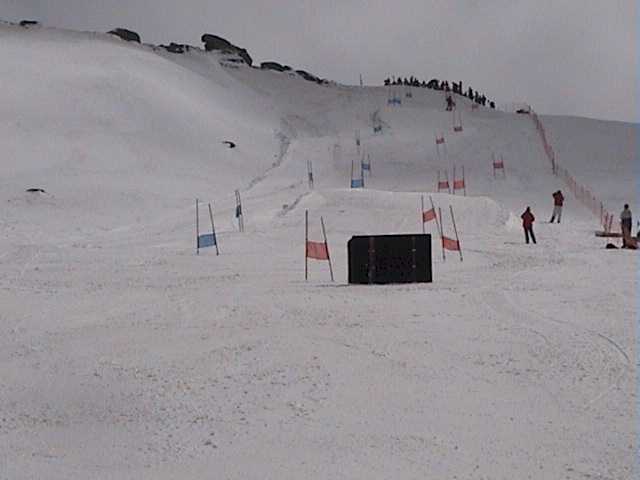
(626,222)
(435,84)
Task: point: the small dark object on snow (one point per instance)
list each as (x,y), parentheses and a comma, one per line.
(26,23)
(611,246)
(124,34)
(175,47)
(229,144)
(274,66)
(36,190)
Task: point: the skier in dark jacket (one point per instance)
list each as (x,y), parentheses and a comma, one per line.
(450,103)
(626,223)
(558,201)
(527,224)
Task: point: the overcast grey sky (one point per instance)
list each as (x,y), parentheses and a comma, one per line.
(571,57)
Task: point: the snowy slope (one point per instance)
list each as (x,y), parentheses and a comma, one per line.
(125,355)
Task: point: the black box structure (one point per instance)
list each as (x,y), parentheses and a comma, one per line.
(381,259)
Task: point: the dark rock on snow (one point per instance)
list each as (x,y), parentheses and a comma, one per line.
(125,34)
(176,47)
(274,66)
(213,42)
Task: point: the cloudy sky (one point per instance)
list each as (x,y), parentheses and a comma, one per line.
(572,57)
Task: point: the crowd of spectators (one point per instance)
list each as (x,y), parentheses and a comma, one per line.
(444,85)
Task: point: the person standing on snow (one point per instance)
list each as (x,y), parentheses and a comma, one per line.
(626,223)
(527,224)
(450,103)
(558,201)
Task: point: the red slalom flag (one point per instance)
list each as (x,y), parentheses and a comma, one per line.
(439,140)
(428,215)
(458,184)
(317,250)
(443,184)
(450,244)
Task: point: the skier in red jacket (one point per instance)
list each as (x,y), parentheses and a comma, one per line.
(558,201)
(527,224)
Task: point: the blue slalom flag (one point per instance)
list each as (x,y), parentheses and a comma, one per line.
(207,240)
(366,166)
(238,211)
(357,183)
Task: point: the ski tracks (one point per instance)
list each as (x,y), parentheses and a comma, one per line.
(569,354)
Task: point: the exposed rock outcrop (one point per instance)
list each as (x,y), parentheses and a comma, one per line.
(274,66)
(124,34)
(213,42)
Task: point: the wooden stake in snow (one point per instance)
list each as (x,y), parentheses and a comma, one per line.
(455,229)
(310,174)
(326,246)
(422,213)
(441,234)
(239,212)
(306,245)
(197,230)
(433,208)
(213,230)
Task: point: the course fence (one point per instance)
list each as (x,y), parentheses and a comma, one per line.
(582,193)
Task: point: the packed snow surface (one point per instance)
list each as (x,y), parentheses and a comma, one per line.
(124,355)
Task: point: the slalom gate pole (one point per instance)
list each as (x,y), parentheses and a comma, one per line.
(242,210)
(422,213)
(326,246)
(351,180)
(453,219)
(444,258)
(239,209)
(454,179)
(434,211)
(449,185)
(464,183)
(197,230)
(306,242)
(213,230)
(493,164)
